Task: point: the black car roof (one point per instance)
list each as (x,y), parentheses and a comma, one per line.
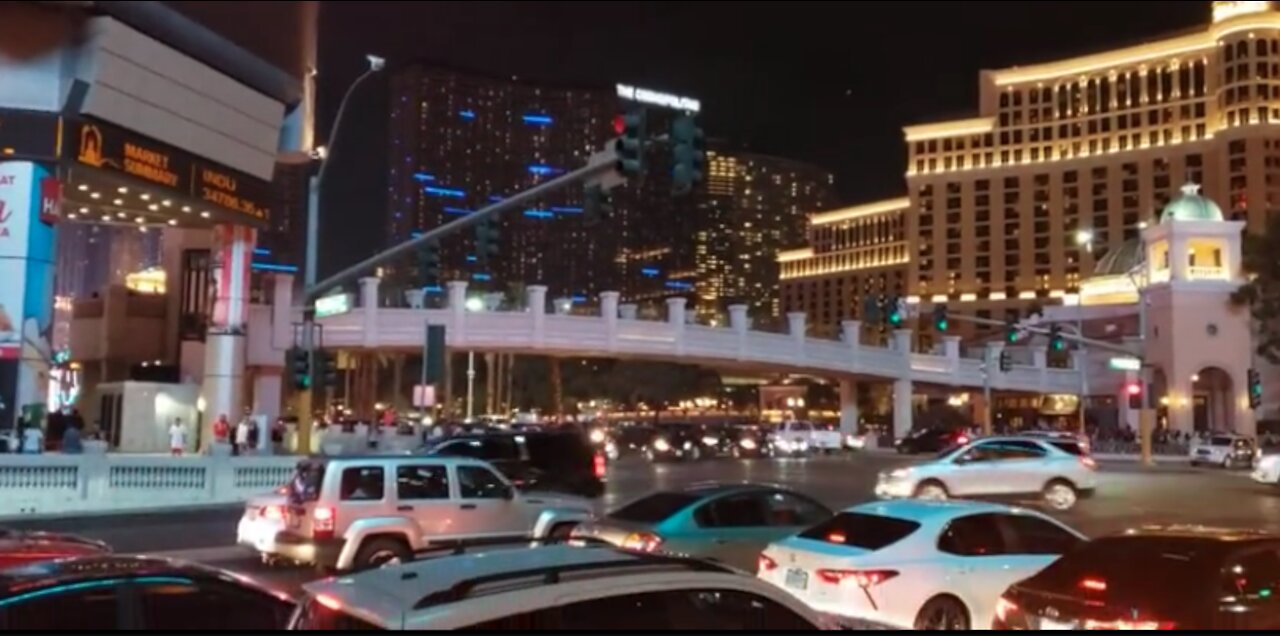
(1202,533)
(80,570)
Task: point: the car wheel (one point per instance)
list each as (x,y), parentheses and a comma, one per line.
(380,553)
(932,491)
(1060,495)
(943,614)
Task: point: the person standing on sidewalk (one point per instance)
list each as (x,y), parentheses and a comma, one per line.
(243,428)
(177,438)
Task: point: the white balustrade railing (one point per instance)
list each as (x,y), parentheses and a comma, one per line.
(99,483)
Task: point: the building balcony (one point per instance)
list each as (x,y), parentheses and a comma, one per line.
(1195,272)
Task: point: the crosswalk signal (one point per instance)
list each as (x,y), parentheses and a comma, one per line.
(940,321)
(630,145)
(429,264)
(689,155)
(1255,389)
(1134,391)
(1056,341)
(300,368)
(598,205)
(487,236)
(1006,361)
(1012,333)
(328,363)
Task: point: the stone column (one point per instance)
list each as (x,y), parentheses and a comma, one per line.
(738,318)
(537,297)
(369,309)
(225,344)
(675,310)
(848,406)
(609,305)
(902,408)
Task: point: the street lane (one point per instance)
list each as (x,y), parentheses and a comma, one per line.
(1129,496)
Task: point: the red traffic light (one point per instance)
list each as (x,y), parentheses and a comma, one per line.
(1133,388)
(619,124)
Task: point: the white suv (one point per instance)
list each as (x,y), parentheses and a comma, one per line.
(552,588)
(362,512)
(1059,470)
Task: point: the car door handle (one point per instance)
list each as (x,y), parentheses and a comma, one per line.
(468,506)
(404,509)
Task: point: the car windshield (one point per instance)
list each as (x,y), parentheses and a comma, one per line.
(306,481)
(869,532)
(654,508)
(1158,575)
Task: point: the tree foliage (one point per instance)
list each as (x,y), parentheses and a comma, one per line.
(1261,294)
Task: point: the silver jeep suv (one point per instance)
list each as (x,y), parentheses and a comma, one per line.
(360,512)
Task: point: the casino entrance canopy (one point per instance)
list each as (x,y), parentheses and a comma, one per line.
(111,175)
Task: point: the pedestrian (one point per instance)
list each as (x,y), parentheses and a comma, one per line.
(32,440)
(222,432)
(71,444)
(177,438)
(242,435)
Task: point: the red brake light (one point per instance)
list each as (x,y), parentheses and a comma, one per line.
(962,440)
(837,537)
(863,578)
(1129,626)
(324,521)
(765,564)
(1004,608)
(329,602)
(1094,585)
(598,465)
(642,542)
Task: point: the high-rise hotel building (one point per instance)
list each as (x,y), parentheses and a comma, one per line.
(1067,160)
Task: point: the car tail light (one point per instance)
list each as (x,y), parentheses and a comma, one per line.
(1129,626)
(1089,463)
(274,513)
(329,602)
(1093,585)
(764,563)
(598,465)
(1005,608)
(642,542)
(864,578)
(962,440)
(324,521)
(837,537)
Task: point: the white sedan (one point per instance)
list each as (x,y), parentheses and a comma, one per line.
(916,564)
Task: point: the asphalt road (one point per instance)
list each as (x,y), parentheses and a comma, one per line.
(1128,496)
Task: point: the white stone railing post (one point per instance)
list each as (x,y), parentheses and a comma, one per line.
(609,312)
(796,328)
(902,344)
(851,334)
(951,349)
(675,318)
(457,290)
(369,303)
(628,311)
(537,297)
(740,323)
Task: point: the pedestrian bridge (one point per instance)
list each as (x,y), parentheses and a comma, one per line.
(617,333)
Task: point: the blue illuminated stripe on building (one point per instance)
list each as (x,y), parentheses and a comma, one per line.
(538,214)
(495,198)
(261,251)
(481,277)
(537,120)
(268,267)
(567,210)
(579,299)
(675,284)
(467,114)
(471,258)
(650,272)
(445,192)
(460,211)
(423,177)
(415,234)
(543,170)
(433,289)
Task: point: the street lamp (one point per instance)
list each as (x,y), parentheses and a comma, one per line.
(1084,238)
(473,304)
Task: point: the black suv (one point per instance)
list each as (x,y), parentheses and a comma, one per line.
(563,462)
(1180,577)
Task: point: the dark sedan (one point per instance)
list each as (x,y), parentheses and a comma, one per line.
(931,440)
(20,548)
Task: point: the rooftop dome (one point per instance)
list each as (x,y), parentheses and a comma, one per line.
(1121,260)
(1191,207)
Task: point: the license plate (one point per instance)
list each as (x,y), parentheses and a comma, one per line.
(797,579)
(1047,625)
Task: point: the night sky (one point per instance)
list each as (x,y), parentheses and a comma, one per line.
(828,83)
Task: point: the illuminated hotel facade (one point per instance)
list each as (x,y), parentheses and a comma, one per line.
(1065,162)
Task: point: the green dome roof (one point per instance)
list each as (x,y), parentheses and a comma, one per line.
(1191,207)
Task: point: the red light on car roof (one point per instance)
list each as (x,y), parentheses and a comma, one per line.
(1094,585)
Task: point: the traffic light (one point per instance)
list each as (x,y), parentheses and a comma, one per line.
(1056,342)
(429,264)
(300,366)
(1255,389)
(1012,333)
(688,154)
(630,146)
(940,321)
(1134,391)
(328,365)
(893,312)
(598,205)
(487,236)
(1006,361)
(871,310)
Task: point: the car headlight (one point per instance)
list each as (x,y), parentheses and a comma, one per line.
(748,444)
(784,444)
(688,445)
(597,436)
(661,445)
(900,473)
(710,441)
(855,441)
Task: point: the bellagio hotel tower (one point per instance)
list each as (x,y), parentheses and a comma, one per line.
(1065,162)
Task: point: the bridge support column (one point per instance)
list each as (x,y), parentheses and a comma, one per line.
(848,407)
(457,290)
(902,407)
(537,300)
(796,327)
(267,392)
(676,318)
(609,311)
(369,302)
(740,323)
